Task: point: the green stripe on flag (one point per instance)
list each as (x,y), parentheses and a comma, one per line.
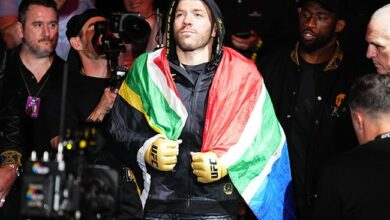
(255,158)
(161,116)
(134,100)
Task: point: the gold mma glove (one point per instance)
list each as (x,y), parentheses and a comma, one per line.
(162,154)
(207,167)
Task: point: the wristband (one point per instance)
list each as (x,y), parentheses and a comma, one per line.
(11,157)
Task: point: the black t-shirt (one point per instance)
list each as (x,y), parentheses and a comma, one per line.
(195,71)
(84,94)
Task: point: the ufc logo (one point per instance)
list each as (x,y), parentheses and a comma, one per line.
(213,168)
(154,156)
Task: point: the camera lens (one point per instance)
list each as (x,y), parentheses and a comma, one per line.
(134,29)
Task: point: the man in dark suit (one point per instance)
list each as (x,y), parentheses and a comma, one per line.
(355,185)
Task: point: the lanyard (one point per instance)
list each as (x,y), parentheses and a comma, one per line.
(33,102)
(25,83)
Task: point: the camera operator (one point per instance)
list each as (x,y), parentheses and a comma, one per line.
(90,94)
(90,87)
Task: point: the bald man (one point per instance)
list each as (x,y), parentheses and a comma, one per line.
(378,39)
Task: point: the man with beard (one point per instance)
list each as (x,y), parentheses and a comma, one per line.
(186,117)
(32,75)
(308,85)
(66,8)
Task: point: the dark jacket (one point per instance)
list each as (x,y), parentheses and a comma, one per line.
(177,191)
(355,185)
(331,130)
(22,133)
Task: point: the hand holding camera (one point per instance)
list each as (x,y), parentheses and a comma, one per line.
(104,106)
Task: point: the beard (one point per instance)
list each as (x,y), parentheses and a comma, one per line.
(90,51)
(192,44)
(39,51)
(316,43)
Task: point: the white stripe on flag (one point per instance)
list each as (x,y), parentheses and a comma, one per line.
(160,81)
(248,134)
(255,183)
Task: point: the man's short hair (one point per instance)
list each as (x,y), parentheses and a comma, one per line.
(25,4)
(371,94)
(382,13)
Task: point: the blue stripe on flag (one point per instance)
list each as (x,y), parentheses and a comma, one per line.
(266,203)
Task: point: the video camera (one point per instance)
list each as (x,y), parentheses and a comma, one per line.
(69,187)
(111,36)
(119,29)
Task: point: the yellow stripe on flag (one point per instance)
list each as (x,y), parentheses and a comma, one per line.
(135,100)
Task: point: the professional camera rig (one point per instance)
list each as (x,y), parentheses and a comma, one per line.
(68,187)
(111,36)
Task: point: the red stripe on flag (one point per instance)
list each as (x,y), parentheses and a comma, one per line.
(234,92)
(163,64)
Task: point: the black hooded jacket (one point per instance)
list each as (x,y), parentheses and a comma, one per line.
(178,191)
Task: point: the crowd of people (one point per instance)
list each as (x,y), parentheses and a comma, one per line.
(261,112)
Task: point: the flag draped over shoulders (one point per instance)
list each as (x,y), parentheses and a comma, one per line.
(240,126)
(149,87)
